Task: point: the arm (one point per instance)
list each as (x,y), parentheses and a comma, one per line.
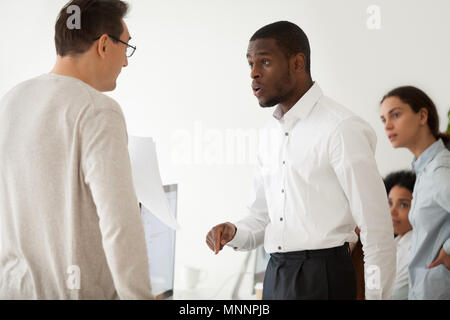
(441,177)
(107,171)
(351,151)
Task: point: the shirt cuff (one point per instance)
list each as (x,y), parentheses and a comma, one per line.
(239,238)
(447,246)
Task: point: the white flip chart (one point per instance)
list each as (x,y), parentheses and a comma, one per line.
(147,179)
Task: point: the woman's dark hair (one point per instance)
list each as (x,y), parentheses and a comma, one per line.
(417,99)
(405,179)
(97,17)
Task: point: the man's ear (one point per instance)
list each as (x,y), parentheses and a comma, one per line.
(299,62)
(102,45)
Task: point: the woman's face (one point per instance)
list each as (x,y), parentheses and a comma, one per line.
(401,123)
(399,203)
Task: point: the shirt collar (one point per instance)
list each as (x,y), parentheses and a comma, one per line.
(303,107)
(425,158)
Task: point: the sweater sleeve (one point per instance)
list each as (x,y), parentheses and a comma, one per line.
(107,171)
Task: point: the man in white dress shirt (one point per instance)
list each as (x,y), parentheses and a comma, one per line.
(316,180)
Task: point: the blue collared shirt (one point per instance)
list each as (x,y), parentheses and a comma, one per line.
(430,219)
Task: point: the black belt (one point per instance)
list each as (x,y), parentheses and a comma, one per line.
(305,254)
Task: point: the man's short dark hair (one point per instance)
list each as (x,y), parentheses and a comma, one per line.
(290,38)
(97,17)
(405,179)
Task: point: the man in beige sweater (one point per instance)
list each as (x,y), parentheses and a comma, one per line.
(70,225)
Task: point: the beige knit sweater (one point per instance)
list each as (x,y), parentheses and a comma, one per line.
(70,226)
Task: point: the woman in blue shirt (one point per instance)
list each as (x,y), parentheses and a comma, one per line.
(411,121)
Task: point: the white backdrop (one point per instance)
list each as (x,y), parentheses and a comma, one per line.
(188,86)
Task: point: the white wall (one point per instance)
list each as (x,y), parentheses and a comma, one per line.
(190,72)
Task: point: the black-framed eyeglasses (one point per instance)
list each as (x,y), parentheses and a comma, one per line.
(130,49)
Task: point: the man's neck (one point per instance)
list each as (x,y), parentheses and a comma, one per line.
(298,93)
(72,67)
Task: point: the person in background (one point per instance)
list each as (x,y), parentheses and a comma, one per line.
(411,121)
(316,180)
(70,226)
(399,188)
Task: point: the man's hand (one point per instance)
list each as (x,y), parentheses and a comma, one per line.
(220,235)
(443,258)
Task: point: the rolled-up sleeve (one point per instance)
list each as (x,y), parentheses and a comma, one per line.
(351,151)
(107,172)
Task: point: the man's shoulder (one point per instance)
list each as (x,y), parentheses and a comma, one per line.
(83,93)
(71,91)
(336,117)
(61,94)
(102,102)
(21,87)
(333,112)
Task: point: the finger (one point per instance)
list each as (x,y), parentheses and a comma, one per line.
(217,237)
(435,263)
(210,239)
(209,236)
(210,244)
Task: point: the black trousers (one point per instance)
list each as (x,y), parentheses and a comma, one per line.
(311,275)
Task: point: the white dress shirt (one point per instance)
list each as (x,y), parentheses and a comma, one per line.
(316,180)
(401,285)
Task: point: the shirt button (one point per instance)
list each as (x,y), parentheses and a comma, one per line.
(282,191)
(281,219)
(279,248)
(287,134)
(284,162)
